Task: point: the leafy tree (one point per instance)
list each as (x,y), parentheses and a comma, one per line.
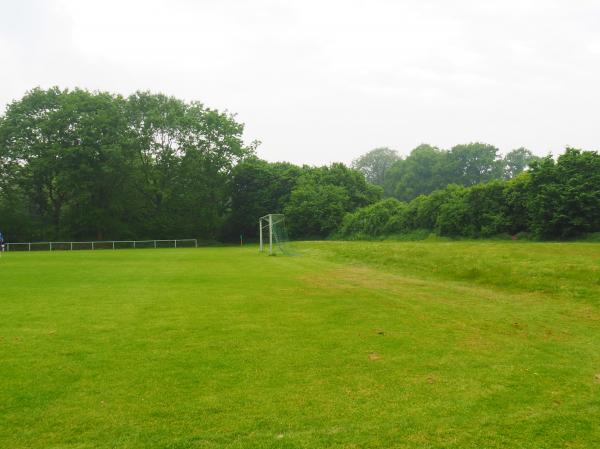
(453,216)
(185,154)
(97,165)
(516,193)
(487,214)
(564,196)
(517,161)
(360,193)
(420,173)
(323,196)
(316,210)
(424,210)
(428,168)
(371,221)
(472,163)
(375,164)
(15,219)
(70,160)
(554,199)
(258,188)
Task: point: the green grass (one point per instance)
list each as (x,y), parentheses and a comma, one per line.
(348,344)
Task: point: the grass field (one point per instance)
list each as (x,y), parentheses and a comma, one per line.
(404,345)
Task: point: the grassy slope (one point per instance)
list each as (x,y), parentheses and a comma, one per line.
(457,345)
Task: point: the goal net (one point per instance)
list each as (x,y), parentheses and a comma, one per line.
(273,234)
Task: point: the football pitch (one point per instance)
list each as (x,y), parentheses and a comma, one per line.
(344,345)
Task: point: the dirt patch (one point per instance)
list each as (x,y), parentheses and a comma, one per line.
(350,277)
(587,313)
(374,356)
(353,277)
(478,342)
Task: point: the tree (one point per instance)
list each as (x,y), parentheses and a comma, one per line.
(97,165)
(477,211)
(185,154)
(428,168)
(472,163)
(516,193)
(323,195)
(554,199)
(375,164)
(316,210)
(420,173)
(564,196)
(517,161)
(258,188)
(373,220)
(360,193)
(71,164)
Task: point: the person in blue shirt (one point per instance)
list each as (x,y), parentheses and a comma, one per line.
(1,241)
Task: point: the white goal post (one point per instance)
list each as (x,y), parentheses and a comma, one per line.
(274,226)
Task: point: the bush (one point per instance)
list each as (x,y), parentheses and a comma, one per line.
(564,196)
(555,200)
(453,218)
(372,220)
(315,210)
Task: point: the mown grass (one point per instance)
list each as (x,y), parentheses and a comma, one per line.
(349,344)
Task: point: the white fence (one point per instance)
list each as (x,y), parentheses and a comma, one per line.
(97,245)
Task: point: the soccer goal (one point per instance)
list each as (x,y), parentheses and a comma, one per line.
(271,229)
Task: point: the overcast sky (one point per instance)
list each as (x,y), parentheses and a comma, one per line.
(321,81)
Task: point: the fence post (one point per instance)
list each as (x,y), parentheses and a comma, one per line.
(134,244)
(154,243)
(29,246)
(50,246)
(195,243)
(175,243)
(113,244)
(92,246)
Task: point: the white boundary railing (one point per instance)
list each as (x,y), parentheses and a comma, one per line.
(103,244)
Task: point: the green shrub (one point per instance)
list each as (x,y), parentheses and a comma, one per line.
(564,196)
(372,220)
(556,200)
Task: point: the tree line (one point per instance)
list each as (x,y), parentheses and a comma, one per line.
(428,168)
(93,165)
(78,165)
(554,199)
